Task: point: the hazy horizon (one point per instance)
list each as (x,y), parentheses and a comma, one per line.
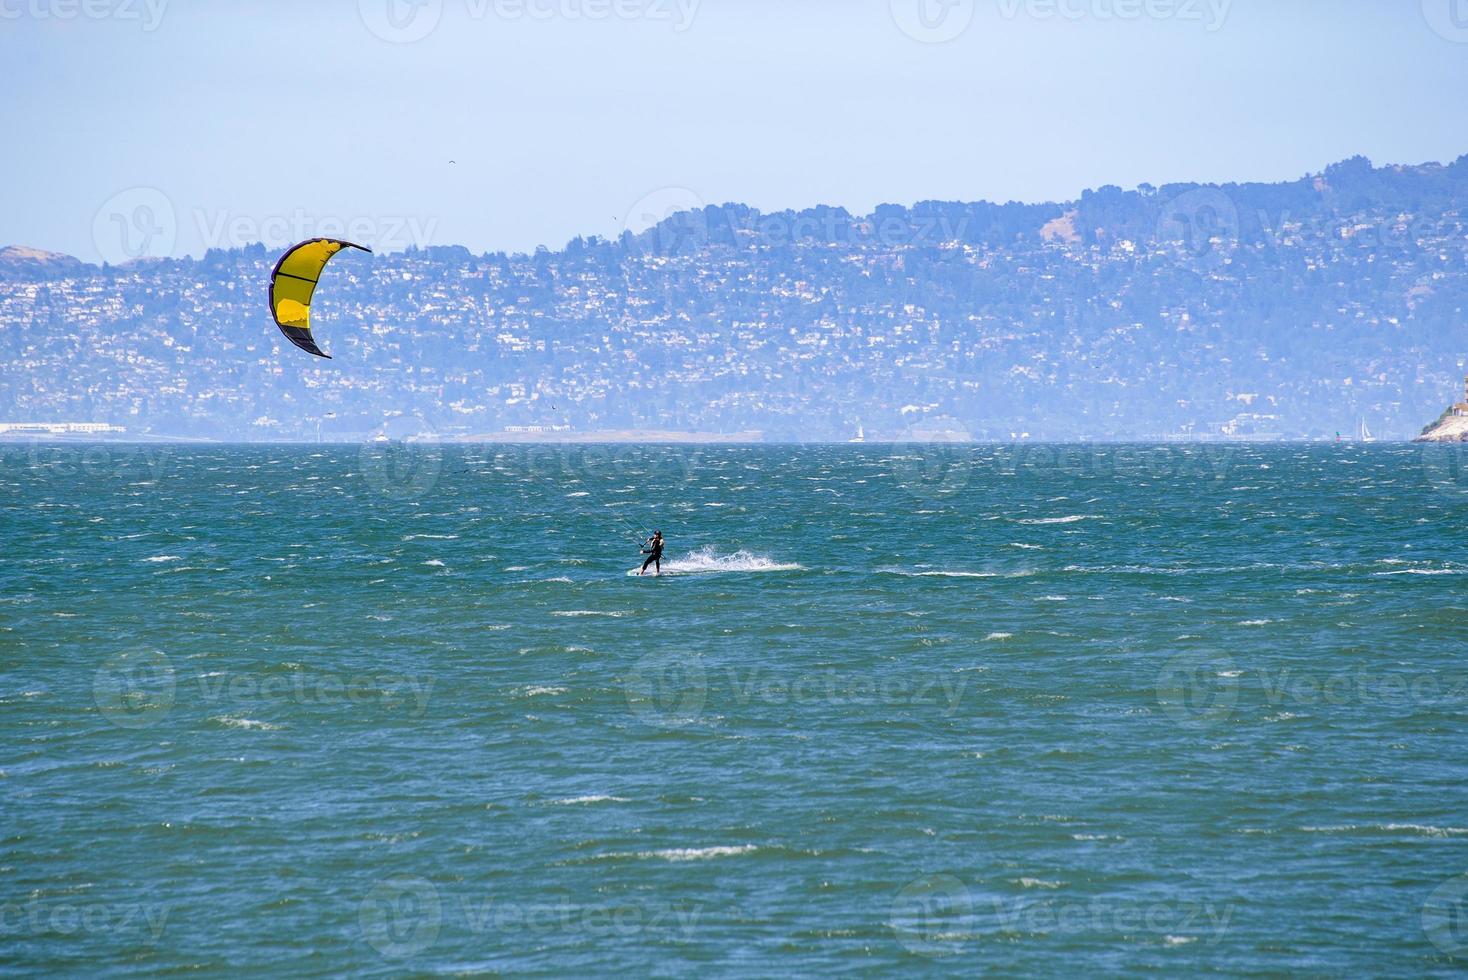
(170,130)
(405,233)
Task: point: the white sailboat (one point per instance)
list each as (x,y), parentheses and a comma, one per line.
(1363,434)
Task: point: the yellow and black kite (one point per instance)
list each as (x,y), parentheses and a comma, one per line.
(292,284)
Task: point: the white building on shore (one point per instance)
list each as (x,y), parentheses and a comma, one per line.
(59,428)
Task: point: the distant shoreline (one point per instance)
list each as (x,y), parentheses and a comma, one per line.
(691,439)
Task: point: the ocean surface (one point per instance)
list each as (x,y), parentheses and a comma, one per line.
(922,709)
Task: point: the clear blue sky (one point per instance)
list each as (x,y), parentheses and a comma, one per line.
(263,119)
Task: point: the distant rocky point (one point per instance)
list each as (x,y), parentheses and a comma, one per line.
(24,253)
(20,261)
(1452,426)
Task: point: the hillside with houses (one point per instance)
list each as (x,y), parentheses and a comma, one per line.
(1328,304)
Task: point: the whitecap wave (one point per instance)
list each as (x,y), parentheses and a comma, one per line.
(938,573)
(1069,519)
(1421,571)
(1424,830)
(697,853)
(583,800)
(246,723)
(706,561)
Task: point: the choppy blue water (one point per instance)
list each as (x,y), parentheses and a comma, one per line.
(939,710)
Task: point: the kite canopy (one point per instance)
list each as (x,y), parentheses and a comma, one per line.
(292,284)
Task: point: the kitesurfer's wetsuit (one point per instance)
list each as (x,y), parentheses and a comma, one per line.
(654,556)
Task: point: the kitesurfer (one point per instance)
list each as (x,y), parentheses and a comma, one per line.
(654,553)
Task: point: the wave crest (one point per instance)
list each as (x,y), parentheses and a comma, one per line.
(706,561)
